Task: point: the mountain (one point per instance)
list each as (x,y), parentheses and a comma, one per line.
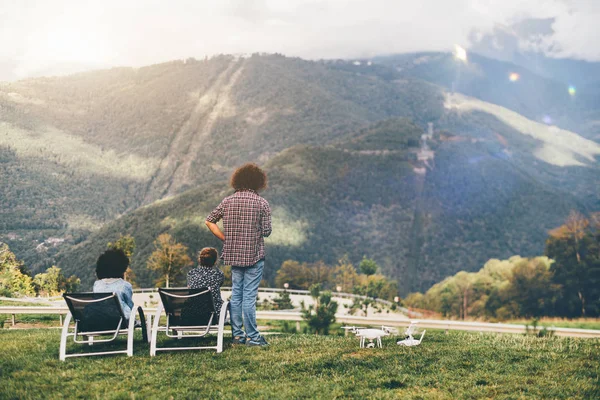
(352,167)
(369,196)
(80,151)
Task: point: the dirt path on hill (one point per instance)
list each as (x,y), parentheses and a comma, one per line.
(174,169)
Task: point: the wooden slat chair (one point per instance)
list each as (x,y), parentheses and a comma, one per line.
(98,315)
(190,313)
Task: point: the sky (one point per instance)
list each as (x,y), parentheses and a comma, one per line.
(41,36)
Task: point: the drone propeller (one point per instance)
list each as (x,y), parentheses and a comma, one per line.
(389,329)
(348,328)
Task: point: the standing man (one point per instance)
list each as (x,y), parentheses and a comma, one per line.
(246,221)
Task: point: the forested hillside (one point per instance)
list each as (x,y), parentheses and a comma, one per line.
(365,197)
(144,151)
(79,151)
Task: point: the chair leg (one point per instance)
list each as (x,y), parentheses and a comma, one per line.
(149,328)
(155,330)
(62,353)
(222,317)
(130,331)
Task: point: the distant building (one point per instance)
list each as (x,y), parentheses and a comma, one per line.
(425,154)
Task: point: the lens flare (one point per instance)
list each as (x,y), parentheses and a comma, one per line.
(572,90)
(513,77)
(460,53)
(547,120)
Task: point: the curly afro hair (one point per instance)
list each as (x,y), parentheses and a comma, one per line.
(249,176)
(112,264)
(208,256)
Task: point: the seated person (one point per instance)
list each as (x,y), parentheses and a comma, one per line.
(110,270)
(206,275)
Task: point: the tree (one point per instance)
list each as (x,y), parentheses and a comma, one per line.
(127,244)
(368,266)
(53,282)
(575,247)
(297,275)
(320,273)
(464,285)
(14,281)
(344,275)
(532,288)
(380,287)
(282,301)
(169,259)
(502,289)
(321,315)
(415,300)
(574,228)
(72,284)
(227,275)
(361,303)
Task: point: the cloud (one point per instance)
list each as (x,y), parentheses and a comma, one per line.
(37,34)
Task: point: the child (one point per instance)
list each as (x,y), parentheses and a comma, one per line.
(110,270)
(206,275)
(246,221)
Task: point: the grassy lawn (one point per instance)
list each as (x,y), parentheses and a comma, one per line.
(457,365)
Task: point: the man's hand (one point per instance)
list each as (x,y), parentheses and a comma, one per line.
(214,228)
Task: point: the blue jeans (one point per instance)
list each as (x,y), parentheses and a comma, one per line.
(244,290)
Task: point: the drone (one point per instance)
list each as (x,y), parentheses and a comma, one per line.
(373,335)
(410,340)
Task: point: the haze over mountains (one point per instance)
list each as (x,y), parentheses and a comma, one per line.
(144,151)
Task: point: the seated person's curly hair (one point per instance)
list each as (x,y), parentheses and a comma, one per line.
(208,256)
(112,264)
(249,176)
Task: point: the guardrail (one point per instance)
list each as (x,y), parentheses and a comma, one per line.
(352,320)
(433,324)
(301,292)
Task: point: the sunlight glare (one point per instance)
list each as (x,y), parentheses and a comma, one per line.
(69,45)
(460,53)
(65,45)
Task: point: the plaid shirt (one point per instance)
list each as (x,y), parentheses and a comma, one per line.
(246,220)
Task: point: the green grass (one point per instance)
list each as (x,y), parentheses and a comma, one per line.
(457,365)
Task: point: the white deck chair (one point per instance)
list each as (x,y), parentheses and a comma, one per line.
(411,341)
(98,315)
(190,313)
